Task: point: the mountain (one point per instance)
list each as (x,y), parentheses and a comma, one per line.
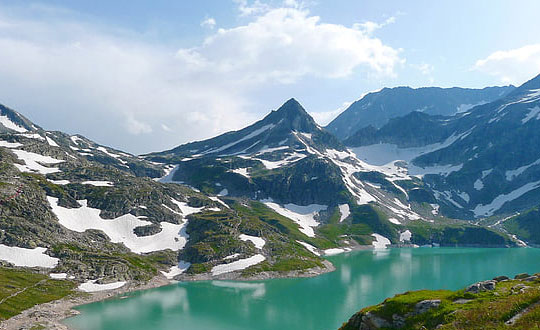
(86,213)
(377,108)
(266,201)
(481,163)
(288,163)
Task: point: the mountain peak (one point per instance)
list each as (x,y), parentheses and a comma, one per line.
(292,107)
(12,121)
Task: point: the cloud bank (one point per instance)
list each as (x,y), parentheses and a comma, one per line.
(114,88)
(514,66)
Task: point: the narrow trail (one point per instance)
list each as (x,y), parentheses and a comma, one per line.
(15,195)
(519,315)
(14,294)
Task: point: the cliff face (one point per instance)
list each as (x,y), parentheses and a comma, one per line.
(494,304)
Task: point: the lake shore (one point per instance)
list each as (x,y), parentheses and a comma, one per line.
(52,314)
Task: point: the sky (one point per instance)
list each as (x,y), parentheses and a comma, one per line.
(143,76)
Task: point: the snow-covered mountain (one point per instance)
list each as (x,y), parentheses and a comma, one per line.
(377,108)
(480,163)
(297,168)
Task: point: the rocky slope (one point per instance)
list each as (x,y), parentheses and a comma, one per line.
(377,108)
(290,164)
(478,164)
(500,303)
(88,213)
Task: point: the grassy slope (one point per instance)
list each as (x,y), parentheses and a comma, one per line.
(21,289)
(485,310)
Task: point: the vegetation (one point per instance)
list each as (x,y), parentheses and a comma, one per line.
(22,289)
(490,309)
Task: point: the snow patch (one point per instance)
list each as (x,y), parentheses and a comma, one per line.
(345,211)
(59,182)
(510,175)
(309,247)
(33,162)
(533,113)
(223,192)
(499,201)
(394,221)
(176,270)
(238,265)
(58,276)
(405,236)
(304,216)
(92,286)
(7,123)
(242,171)
(257,241)
(10,144)
(22,257)
(380,241)
(120,230)
(98,183)
(51,142)
(478,184)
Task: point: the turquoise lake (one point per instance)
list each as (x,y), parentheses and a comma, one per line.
(362,278)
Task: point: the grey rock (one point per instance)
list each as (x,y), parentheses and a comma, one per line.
(482,286)
(501,278)
(426,305)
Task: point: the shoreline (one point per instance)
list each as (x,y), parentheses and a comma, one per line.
(51,314)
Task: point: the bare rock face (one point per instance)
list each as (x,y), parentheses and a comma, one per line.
(482,286)
(426,305)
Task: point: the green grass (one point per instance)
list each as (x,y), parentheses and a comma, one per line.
(21,289)
(485,310)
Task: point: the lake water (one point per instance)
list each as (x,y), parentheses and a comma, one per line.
(362,278)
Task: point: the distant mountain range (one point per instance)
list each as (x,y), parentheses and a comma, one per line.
(377,108)
(272,198)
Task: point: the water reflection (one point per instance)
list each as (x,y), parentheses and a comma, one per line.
(362,278)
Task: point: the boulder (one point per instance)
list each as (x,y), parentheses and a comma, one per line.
(501,278)
(482,286)
(521,276)
(426,305)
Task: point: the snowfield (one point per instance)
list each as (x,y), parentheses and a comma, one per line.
(176,270)
(22,257)
(33,162)
(304,216)
(242,171)
(309,247)
(91,286)
(238,265)
(257,241)
(499,201)
(405,236)
(380,241)
(120,230)
(7,123)
(10,144)
(99,183)
(345,211)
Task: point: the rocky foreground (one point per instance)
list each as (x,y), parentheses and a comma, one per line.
(501,303)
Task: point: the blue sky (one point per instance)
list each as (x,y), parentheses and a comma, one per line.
(146,75)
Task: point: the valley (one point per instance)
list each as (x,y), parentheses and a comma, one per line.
(276,199)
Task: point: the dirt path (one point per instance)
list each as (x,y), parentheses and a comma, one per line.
(519,315)
(21,291)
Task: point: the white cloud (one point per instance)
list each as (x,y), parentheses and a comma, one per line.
(369,27)
(247,9)
(285,44)
(514,66)
(324,118)
(114,88)
(209,23)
